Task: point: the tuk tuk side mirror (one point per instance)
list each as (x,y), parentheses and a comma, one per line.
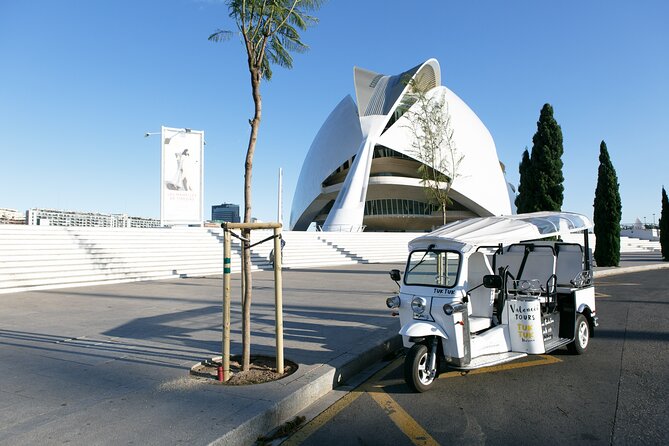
(395,275)
(492,281)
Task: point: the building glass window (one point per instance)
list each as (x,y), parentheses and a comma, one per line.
(397,206)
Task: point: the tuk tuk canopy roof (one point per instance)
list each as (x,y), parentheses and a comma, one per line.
(491,231)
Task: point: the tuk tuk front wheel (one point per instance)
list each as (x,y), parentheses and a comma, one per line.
(581,336)
(417,373)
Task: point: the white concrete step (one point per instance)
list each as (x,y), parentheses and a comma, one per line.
(55,257)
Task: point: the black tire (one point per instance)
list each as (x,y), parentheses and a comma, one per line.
(581,336)
(416,364)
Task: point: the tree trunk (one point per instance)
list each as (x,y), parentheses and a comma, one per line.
(246,252)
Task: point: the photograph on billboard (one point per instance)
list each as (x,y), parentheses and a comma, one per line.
(181,176)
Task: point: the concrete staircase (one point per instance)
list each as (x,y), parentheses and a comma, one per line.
(627,244)
(306,249)
(371,247)
(46,257)
(630,244)
(43,257)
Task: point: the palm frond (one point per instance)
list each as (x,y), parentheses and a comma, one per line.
(311,5)
(278,54)
(301,19)
(291,40)
(271,30)
(220,36)
(296,19)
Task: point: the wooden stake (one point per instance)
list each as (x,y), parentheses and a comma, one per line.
(278,299)
(226,305)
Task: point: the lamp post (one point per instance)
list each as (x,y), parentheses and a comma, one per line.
(279,210)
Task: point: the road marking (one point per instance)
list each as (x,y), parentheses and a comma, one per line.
(323,418)
(375,387)
(328,414)
(388,383)
(409,426)
(545,360)
(403,420)
(608,284)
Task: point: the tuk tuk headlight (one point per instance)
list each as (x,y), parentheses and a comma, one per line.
(418,305)
(449,309)
(393,302)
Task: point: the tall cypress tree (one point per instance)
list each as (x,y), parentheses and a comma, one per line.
(525,184)
(544,190)
(547,163)
(608,212)
(664,226)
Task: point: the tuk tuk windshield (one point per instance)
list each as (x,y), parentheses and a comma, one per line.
(433,268)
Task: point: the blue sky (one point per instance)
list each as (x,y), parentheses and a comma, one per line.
(82,81)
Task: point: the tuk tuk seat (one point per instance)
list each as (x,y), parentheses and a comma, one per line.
(569,264)
(528,262)
(481,299)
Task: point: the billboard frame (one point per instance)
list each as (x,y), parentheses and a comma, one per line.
(170,212)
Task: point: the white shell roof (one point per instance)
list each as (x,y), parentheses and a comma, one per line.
(481,187)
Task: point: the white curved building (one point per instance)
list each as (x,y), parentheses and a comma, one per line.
(361,169)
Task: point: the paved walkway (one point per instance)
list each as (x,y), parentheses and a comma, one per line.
(109,364)
(632,262)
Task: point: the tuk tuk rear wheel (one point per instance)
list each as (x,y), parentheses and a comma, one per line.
(581,336)
(416,369)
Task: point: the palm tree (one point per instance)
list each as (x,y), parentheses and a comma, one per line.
(269,29)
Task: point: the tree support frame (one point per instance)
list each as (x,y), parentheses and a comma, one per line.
(278,288)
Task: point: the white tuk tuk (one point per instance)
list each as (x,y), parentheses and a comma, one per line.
(485,291)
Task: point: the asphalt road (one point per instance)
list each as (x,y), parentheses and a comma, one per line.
(617,393)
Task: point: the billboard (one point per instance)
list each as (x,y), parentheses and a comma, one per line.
(181,176)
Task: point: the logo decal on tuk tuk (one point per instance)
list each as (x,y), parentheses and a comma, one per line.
(526,332)
(526,316)
(524,313)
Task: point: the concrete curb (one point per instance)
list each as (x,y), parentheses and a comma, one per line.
(630,269)
(310,387)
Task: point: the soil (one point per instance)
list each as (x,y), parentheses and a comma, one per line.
(262,370)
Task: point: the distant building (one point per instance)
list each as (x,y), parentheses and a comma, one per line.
(641,231)
(54,217)
(12,216)
(225,212)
